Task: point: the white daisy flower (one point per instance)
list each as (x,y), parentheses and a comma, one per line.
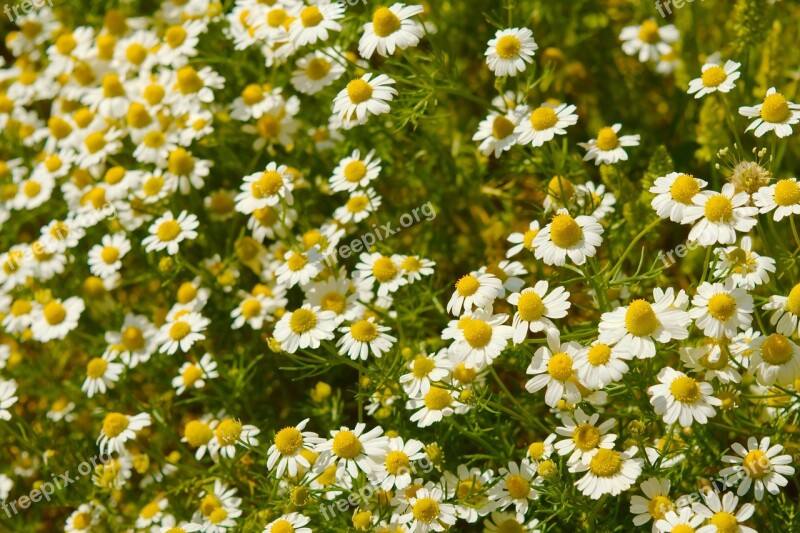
(299,268)
(496,133)
(286,452)
(336,294)
(474,291)
(265,189)
(469,487)
(682,399)
(721,309)
(414,267)
(82,519)
(648,41)
(101,374)
(564,236)
(711,360)
(787,311)
(720,216)
(385,270)
(715,78)
(353,450)
(104,258)
(304,328)
(395,471)
(510,50)
(544,123)
(722,514)
(426,369)
(358,207)
(783,197)
(774,359)
(608,472)
(680,520)
(119,429)
(227,434)
(314,22)
(745,267)
(292,522)
(363,337)
(654,505)
(56,319)
(536,308)
(354,171)
(516,487)
(167,232)
(428,512)
(219,509)
(636,327)
(194,375)
(601,364)
(8,389)
(134,342)
(774,114)
(523,240)
(553,367)
(608,148)
(433,406)
(198,434)
(595,200)
(501,522)
(391,29)
(362,97)
(316,71)
(760,466)
(584,436)
(479,337)
(181,332)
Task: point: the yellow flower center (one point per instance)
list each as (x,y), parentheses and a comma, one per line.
(607,139)
(683,528)
(536,450)
(775,109)
(218,515)
(282,526)
(175,36)
(477,333)
(191,375)
(397,462)
(356,204)
(296,262)
(586,437)
(543,118)
(560,366)
(21,307)
(757,464)
(112,86)
(648,32)
(154,93)
(228,431)
(719,208)
(136,53)
(640,319)
(355,171)
(276,17)
(364,331)
(359,91)
(725,522)
(599,354)
(197,433)
(82,521)
(787,192)
(411,264)
(59,128)
(189,81)
(722,306)
(346,445)
(96,368)
(302,320)
(605,463)
(517,486)
(251,308)
(54,313)
(385,22)
(658,507)
(437,399)
(508,46)
(685,389)
(333,301)
(154,139)
(149,510)
(209,504)
(422,367)
(317,68)
(109,254)
(384,269)
(425,510)
(153,185)
(310,16)
(31,188)
(530,306)
(65,44)
(565,231)
(95,142)
(269,184)
(468,285)
(180,162)
(114,424)
(777,349)
(168,230)
(502,127)
(288,441)
(714,76)
(179,330)
(793,301)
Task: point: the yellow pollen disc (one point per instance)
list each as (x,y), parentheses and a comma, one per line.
(96,368)
(468,285)
(346,445)
(477,333)
(209,504)
(684,188)
(364,331)
(153,185)
(468,490)
(31,189)
(719,208)
(356,204)
(59,128)
(53,163)
(527,238)
(175,36)
(66,44)
(757,463)
(543,118)
(114,424)
(722,306)
(83,117)
(154,93)
(179,330)
(385,22)
(282,526)
(268,126)
(276,17)
(95,142)
(251,308)
(296,262)
(536,450)
(218,515)
(334,301)
(586,437)
(658,506)
(310,16)
(359,91)
(328,476)
(186,292)
(793,301)
(648,32)
(288,441)
(565,231)
(384,269)
(168,230)
(605,463)
(228,431)
(437,399)
(530,306)
(725,522)
(640,319)
(317,68)
(191,375)
(252,94)
(105,47)
(112,86)
(425,510)
(302,320)
(355,171)
(269,184)
(149,510)
(560,366)
(180,162)
(775,109)
(714,76)
(777,349)
(411,264)
(682,528)
(508,47)
(154,139)
(54,313)
(21,307)
(517,486)
(685,389)
(599,354)
(197,433)
(82,521)
(607,139)
(422,367)
(502,128)
(136,53)
(787,192)
(133,338)
(189,81)
(397,462)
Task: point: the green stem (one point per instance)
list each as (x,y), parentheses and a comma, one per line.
(614,271)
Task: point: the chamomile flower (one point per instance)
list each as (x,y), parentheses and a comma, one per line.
(648,41)
(564,236)
(426,369)
(56,319)
(363,97)
(433,406)
(104,258)
(134,342)
(396,469)
(608,471)
(286,452)
(181,332)
(364,337)
(721,309)
(265,189)
(654,505)
(680,398)
(595,200)
(516,487)
(316,71)
(584,435)
(760,466)
(194,375)
(82,519)
(228,433)
(553,367)
(609,148)
(510,50)
(542,124)
(354,171)
(775,113)
(167,232)
(469,487)
(427,511)
(479,337)
(336,294)
(783,197)
(745,267)
(314,22)
(680,520)
(152,513)
(496,133)
(718,216)
(8,389)
(414,267)
(292,522)
(523,240)
(711,360)
(602,364)
(715,78)
(536,308)
(636,327)
(391,29)
(722,513)
(353,450)
(101,374)
(299,268)
(219,509)
(198,434)
(358,207)
(118,429)
(498,522)
(305,328)
(385,270)
(474,291)
(774,359)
